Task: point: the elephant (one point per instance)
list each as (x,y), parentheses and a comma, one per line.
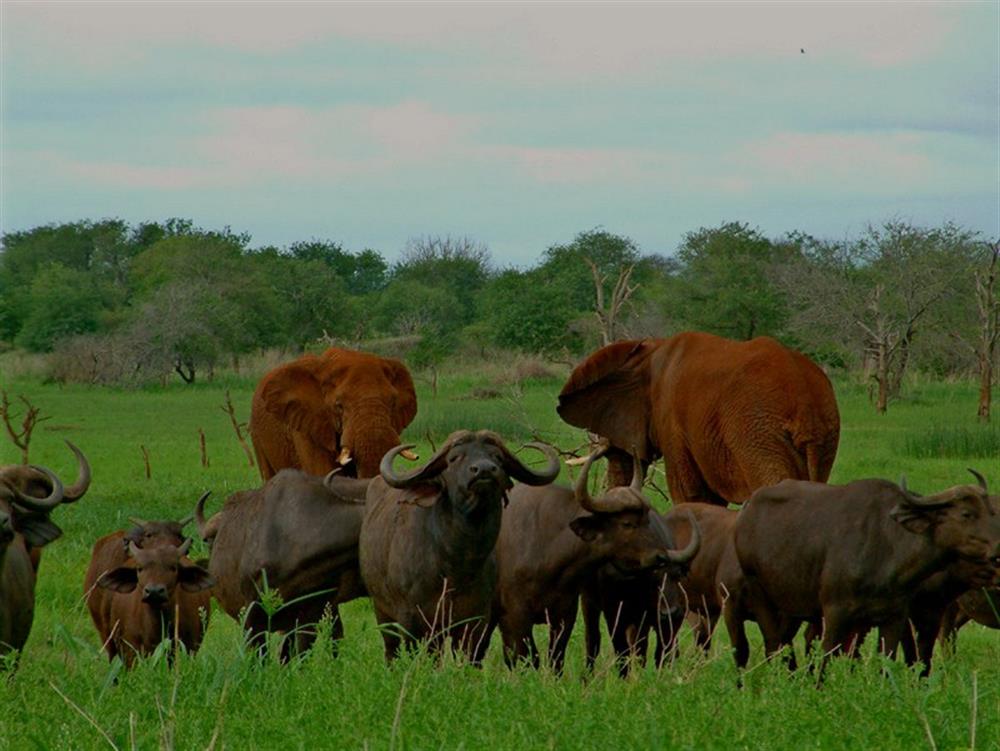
(728,417)
(341,409)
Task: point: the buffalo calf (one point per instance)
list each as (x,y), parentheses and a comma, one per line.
(145,608)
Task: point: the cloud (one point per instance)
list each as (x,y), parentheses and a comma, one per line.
(544,40)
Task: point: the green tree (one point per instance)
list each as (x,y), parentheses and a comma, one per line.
(528,311)
(60,302)
(727,282)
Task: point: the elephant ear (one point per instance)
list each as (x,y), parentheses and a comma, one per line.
(608,394)
(406,396)
(294,395)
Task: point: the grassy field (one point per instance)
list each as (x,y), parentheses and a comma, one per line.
(64,693)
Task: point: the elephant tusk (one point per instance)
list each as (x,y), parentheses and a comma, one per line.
(345,456)
(411,455)
(576,461)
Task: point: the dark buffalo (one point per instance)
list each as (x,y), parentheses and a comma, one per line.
(850,556)
(24,527)
(553,540)
(428,539)
(146,607)
(111,552)
(294,536)
(635,607)
(34,481)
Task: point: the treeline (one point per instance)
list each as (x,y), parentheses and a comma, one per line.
(120,303)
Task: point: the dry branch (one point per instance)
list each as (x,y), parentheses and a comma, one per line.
(238,426)
(20,438)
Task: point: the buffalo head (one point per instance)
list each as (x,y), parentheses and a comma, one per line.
(157,572)
(622,522)
(961,520)
(472,469)
(27,514)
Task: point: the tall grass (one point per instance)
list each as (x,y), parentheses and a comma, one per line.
(66,695)
(974,442)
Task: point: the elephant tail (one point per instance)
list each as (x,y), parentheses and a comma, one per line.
(819,460)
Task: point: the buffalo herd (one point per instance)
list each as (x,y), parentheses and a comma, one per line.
(475,540)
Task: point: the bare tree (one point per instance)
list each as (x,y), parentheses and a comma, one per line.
(984,343)
(609,312)
(21,438)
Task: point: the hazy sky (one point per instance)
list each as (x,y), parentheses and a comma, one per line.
(516,124)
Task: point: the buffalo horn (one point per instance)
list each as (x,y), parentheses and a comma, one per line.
(528,476)
(185,546)
(43,505)
(616,499)
(693,546)
(980,479)
(185,521)
(138,521)
(431,469)
(75,491)
(199,513)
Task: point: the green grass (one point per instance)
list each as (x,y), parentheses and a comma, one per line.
(63,694)
(978,442)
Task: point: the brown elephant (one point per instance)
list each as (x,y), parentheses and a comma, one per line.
(728,417)
(341,409)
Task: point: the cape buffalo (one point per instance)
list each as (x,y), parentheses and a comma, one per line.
(553,539)
(428,538)
(852,555)
(980,605)
(146,608)
(24,526)
(634,607)
(34,481)
(294,536)
(111,552)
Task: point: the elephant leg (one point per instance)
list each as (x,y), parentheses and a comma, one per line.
(685,481)
(620,468)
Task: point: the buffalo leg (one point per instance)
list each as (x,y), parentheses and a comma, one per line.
(735,624)
(591,628)
(559,633)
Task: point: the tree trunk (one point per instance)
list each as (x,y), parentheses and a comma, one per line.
(882,376)
(985,388)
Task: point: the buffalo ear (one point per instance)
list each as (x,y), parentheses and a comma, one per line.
(123,579)
(406,396)
(424,495)
(608,394)
(194,579)
(294,394)
(913,519)
(37,529)
(587,528)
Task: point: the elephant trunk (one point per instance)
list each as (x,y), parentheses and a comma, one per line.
(367,436)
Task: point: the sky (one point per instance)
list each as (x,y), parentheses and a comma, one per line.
(517,125)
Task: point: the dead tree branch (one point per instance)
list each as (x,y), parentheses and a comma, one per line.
(20,438)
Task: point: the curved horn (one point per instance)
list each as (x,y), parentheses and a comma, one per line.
(518,471)
(199,513)
(75,491)
(431,469)
(980,479)
(43,505)
(183,522)
(637,473)
(184,547)
(138,521)
(902,483)
(693,546)
(580,491)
